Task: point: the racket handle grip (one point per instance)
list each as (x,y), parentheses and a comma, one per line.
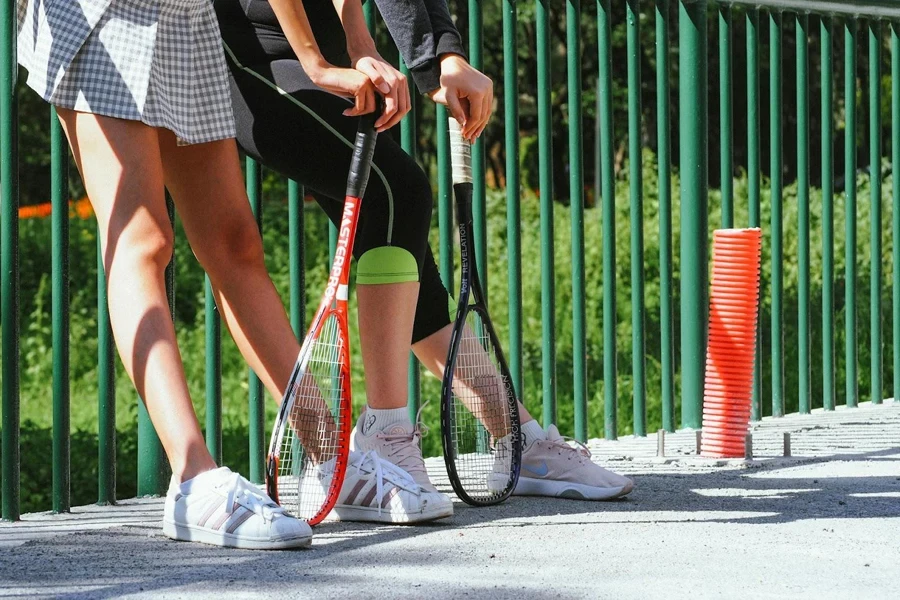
(363,150)
(460,154)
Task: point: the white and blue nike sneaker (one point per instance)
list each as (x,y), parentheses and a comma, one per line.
(561,468)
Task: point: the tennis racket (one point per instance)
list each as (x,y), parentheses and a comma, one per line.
(311,439)
(479,409)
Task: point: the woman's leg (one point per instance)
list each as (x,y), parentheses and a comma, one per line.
(306,137)
(386,312)
(120,164)
(206,183)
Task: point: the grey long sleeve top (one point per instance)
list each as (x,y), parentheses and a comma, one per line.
(423,31)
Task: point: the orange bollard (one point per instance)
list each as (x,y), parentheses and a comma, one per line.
(733,308)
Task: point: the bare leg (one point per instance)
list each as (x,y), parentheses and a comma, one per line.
(432,352)
(206,182)
(120,163)
(386,314)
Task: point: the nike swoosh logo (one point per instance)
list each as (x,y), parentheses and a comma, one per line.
(541,471)
(367,424)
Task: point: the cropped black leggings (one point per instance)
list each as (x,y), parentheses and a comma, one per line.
(291,126)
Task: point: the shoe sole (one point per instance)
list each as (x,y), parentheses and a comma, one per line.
(190,533)
(528,486)
(371,515)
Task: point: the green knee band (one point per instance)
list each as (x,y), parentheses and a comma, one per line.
(387,264)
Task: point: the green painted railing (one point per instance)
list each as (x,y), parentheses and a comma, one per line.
(751,136)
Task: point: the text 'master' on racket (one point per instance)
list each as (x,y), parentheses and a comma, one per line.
(311,439)
(479,410)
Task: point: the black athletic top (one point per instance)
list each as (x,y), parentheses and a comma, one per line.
(422,30)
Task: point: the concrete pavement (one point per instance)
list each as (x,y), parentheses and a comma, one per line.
(824,523)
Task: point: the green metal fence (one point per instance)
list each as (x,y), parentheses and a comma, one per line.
(772,30)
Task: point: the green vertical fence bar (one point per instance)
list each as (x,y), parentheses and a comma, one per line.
(153,468)
(895,149)
(576,203)
(445,200)
(850,31)
(803,341)
(213,332)
(726,117)
(545,169)
(694,203)
(875,212)
(332,241)
(479,204)
(257,396)
(827,35)
(777,234)
(636,194)
(754,176)
(106,391)
(296,228)
(608,224)
(513,212)
(9,262)
(408,143)
(369,14)
(663,134)
(59,197)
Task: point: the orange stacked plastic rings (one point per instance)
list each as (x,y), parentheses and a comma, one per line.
(733,309)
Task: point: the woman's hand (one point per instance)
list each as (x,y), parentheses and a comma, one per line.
(467,93)
(346,82)
(393,86)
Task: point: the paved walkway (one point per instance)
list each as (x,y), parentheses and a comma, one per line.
(822,524)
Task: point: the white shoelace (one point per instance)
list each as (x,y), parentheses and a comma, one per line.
(405,446)
(250,497)
(383,469)
(566,442)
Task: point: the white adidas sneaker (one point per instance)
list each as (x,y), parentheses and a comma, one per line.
(398,444)
(376,490)
(222,508)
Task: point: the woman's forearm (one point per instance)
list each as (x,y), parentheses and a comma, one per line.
(293,20)
(359,40)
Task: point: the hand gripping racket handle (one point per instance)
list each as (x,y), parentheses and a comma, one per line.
(361,163)
(460,154)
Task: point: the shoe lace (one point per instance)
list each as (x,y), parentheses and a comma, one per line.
(565,443)
(242,492)
(405,448)
(382,469)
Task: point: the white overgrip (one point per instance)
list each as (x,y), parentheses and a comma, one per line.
(460,154)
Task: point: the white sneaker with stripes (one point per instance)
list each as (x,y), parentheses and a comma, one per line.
(379,491)
(222,508)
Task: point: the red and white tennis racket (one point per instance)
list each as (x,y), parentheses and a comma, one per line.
(311,439)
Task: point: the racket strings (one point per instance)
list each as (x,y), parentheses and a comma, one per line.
(482,421)
(311,442)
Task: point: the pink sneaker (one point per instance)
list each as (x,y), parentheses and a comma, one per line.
(553,467)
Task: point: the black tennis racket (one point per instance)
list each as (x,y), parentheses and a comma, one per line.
(311,438)
(479,409)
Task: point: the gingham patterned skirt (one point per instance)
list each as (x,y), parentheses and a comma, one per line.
(160,62)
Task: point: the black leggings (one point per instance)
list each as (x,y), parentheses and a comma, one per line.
(295,128)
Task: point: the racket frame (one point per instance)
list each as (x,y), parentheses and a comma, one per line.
(333,303)
(470,287)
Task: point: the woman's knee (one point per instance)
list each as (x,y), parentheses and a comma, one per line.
(139,244)
(233,246)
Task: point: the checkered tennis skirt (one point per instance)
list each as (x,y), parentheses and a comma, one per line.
(156,61)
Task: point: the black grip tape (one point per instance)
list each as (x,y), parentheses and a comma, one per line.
(361,163)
